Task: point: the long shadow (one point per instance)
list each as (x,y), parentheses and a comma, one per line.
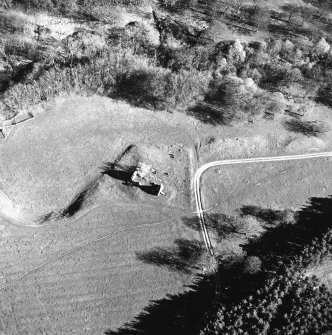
(307,128)
(78,202)
(210,114)
(267,215)
(181,314)
(324,95)
(131,149)
(220,224)
(182,258)
(119,171)
(115,170)
(279,244)
(185,313)
(124,173)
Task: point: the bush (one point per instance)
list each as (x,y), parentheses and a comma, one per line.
(324,95)
(236,92)
(269,105)
(321,48)
(72,6)
(13,22)
(52,6)
(114,73)
(188,87)
(144,87)
(236,53)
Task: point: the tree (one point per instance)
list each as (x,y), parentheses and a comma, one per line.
(321,48)
(260,17)
(236,53)
(252,264)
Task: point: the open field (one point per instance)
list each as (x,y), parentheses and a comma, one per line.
(99,267)
(89,290)
(95,288)
(131,197)
(255,194)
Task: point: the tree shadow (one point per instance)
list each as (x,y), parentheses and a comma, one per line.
(210,114)
(220,224)
(142,88)
(180,314)
(186,313)
(279,244)
(307,128)
(324,95)
(183,258)
(267,215)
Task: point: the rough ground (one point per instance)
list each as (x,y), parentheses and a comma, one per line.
(47,162)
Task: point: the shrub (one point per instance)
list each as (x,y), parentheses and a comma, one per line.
(40,5)
(72,6)
(293,75)
(276,75)
(321,48)
(12,21)
(269,105)
(236,53)
(21,46)
(255,75)
(324,95)
(236,92)
(275,47)
(260,17)
(188,87)
(115,73)
(277,104)
(144,86)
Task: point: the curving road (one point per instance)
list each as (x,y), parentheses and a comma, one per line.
(198,194)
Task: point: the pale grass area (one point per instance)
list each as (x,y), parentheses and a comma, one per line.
(59,27)
(323,272)
(27,24)
(271,4)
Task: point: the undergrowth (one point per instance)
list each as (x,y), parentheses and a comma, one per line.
(245,80)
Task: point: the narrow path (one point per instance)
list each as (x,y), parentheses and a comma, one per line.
(198,194)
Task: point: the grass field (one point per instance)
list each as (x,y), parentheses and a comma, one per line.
(91,91)
(260,196)
(103,284)
(100,268)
